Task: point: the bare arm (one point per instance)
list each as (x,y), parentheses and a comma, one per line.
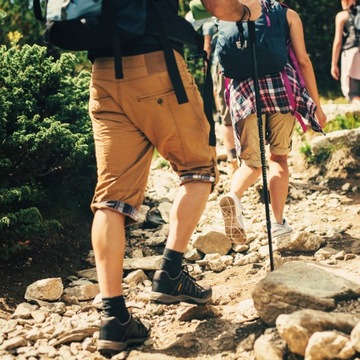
(232,10)
(207,45)
(306,68)
(340,21)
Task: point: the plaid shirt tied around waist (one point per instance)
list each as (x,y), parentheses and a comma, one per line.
(274,98)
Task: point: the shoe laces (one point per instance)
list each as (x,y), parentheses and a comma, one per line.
(190,280)
(139,325)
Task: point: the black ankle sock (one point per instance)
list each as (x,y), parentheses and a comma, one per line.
(115,306)
(231,154)
(171,262)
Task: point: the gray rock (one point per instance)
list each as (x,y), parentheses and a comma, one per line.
(45,289)
(299,285)
(297,328)
(213,242)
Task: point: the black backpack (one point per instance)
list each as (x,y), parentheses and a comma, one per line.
(79,25)
(355,15)
(272,31)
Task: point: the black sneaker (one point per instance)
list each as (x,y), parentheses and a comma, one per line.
(169,290)
(115,336)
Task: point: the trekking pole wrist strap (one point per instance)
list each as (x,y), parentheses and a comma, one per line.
(246,15)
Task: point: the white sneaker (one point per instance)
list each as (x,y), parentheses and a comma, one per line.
(231,209)
(280,229)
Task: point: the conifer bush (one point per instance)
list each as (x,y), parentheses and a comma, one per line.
(47,166)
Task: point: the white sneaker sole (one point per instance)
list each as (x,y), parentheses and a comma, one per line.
(281,233)
(234,230)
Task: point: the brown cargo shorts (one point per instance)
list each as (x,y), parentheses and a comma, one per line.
(133,116)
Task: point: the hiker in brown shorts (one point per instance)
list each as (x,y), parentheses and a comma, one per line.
(132,117)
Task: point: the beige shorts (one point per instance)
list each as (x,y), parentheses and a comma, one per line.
(278,130)
(133,116)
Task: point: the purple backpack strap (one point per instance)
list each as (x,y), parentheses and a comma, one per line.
(292,99)
(227,91)
(288,86)
(296,64)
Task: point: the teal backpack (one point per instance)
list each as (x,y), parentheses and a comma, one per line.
(272,31)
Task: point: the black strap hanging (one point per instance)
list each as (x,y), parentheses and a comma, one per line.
(169,55)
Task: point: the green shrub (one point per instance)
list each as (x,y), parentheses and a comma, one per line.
(47,153)
(343,122)
(305,149)
(348,121)
(316,159)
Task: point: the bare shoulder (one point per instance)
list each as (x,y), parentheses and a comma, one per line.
(293,17)
(342,16)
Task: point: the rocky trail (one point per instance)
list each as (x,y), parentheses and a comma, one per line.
(307,308)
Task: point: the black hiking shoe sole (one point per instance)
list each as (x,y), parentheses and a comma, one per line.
(169,299)
(116,337)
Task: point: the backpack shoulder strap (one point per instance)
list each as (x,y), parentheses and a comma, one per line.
(357,18)
(169,53)
(37,10)
(160,13)
(292,99)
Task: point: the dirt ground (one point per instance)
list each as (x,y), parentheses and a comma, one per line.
(223,336)
(51,259)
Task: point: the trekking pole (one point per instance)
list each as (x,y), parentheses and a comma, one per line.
(252,40)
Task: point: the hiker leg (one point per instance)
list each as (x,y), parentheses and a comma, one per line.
(354,93)
(227,128)
(191,157)
(229,143)
(243,178)
(346,60)
(354,75)
(278,184)
(180,133)
(121,179)
(185,213)
(108,241)
(280,131)
(250,169)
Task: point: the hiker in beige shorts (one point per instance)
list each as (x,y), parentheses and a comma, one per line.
(279,117)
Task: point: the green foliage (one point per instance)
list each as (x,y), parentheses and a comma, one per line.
(342,122)
(20,17)
(311,158)
(2,16)
(305,149)
(321,156)
(47,154)
(197,68)
(17,16)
